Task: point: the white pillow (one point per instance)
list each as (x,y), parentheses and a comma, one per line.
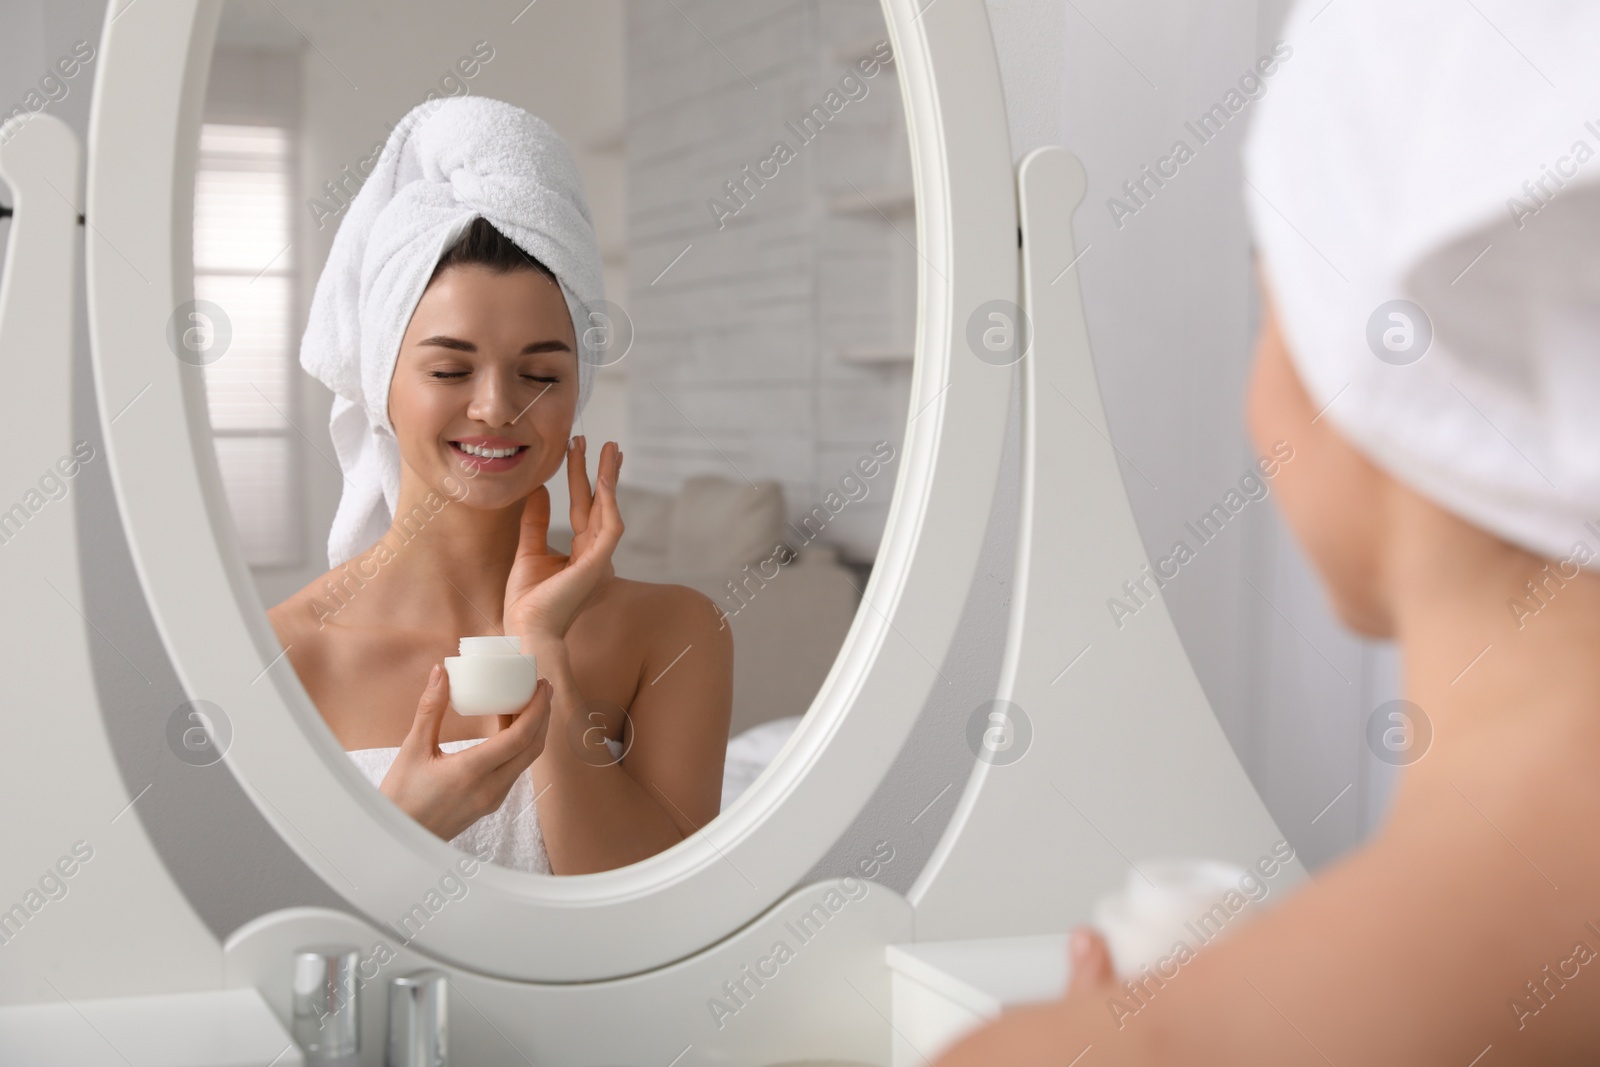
(750,752)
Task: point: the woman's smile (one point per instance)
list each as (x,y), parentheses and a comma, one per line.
(487,454)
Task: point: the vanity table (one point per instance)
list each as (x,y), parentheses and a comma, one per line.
(652,964)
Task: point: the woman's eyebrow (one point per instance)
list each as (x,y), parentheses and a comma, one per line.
(532,348)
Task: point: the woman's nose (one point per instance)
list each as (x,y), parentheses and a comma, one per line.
(493,402)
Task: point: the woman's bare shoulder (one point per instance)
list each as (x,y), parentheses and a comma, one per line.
(1440,919)
(651,617)
(303,620)
(665,610)
(663,598)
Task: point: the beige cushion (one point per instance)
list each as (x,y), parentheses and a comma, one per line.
(787,632)
(646,514)
(719,524)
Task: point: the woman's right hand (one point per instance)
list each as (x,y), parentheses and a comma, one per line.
(448,792)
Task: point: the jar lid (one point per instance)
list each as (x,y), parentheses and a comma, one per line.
(493,645)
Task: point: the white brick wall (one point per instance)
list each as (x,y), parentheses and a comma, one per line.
(737,366)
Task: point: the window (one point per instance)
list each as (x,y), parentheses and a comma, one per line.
(244,262)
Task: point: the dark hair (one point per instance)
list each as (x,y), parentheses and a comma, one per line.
(486,246)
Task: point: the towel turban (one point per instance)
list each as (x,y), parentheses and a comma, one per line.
(1423,181)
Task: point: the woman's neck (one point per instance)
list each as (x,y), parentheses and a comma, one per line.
(441,565)
(1482,650)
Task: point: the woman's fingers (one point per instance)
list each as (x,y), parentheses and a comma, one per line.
(534,535)
(535,721)
(603,524)
(1091,960)
(513,750)
(613,510)
(606,520)
(583,494)
(527,733)
(430,709)
(578,490)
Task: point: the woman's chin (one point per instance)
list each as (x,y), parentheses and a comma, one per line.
(481,495)
(497,501)
(1361,612)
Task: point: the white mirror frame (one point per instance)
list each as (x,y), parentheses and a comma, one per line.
(154,65)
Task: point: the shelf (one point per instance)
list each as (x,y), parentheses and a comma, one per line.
(848,55)
(878,354)
(608,144)
(888,199)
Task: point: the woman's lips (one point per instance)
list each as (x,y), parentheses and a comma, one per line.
(479,464)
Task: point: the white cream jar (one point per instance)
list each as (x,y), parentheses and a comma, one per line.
(1163,903)
(491,676)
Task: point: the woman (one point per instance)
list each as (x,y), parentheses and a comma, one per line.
(623,741)
(1440,937)
(1444,494)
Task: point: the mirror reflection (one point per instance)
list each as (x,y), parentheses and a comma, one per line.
(569,340)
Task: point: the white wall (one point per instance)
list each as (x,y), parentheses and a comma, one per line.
(1172,311)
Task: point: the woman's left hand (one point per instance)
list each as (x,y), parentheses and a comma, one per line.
(1053,1032)
(545,590)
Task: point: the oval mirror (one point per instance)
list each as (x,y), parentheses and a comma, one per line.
(754,362)
(782,357)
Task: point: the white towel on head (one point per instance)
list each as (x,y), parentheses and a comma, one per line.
(447,162)
(1448,155)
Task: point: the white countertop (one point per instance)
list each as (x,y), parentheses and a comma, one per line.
(212,1028)
(987,974)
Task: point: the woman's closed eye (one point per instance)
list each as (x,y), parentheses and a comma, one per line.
(448,375)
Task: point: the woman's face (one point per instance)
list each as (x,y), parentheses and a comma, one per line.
(488,359)
(1332,497)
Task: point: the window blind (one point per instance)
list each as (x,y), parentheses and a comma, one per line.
(244,263)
